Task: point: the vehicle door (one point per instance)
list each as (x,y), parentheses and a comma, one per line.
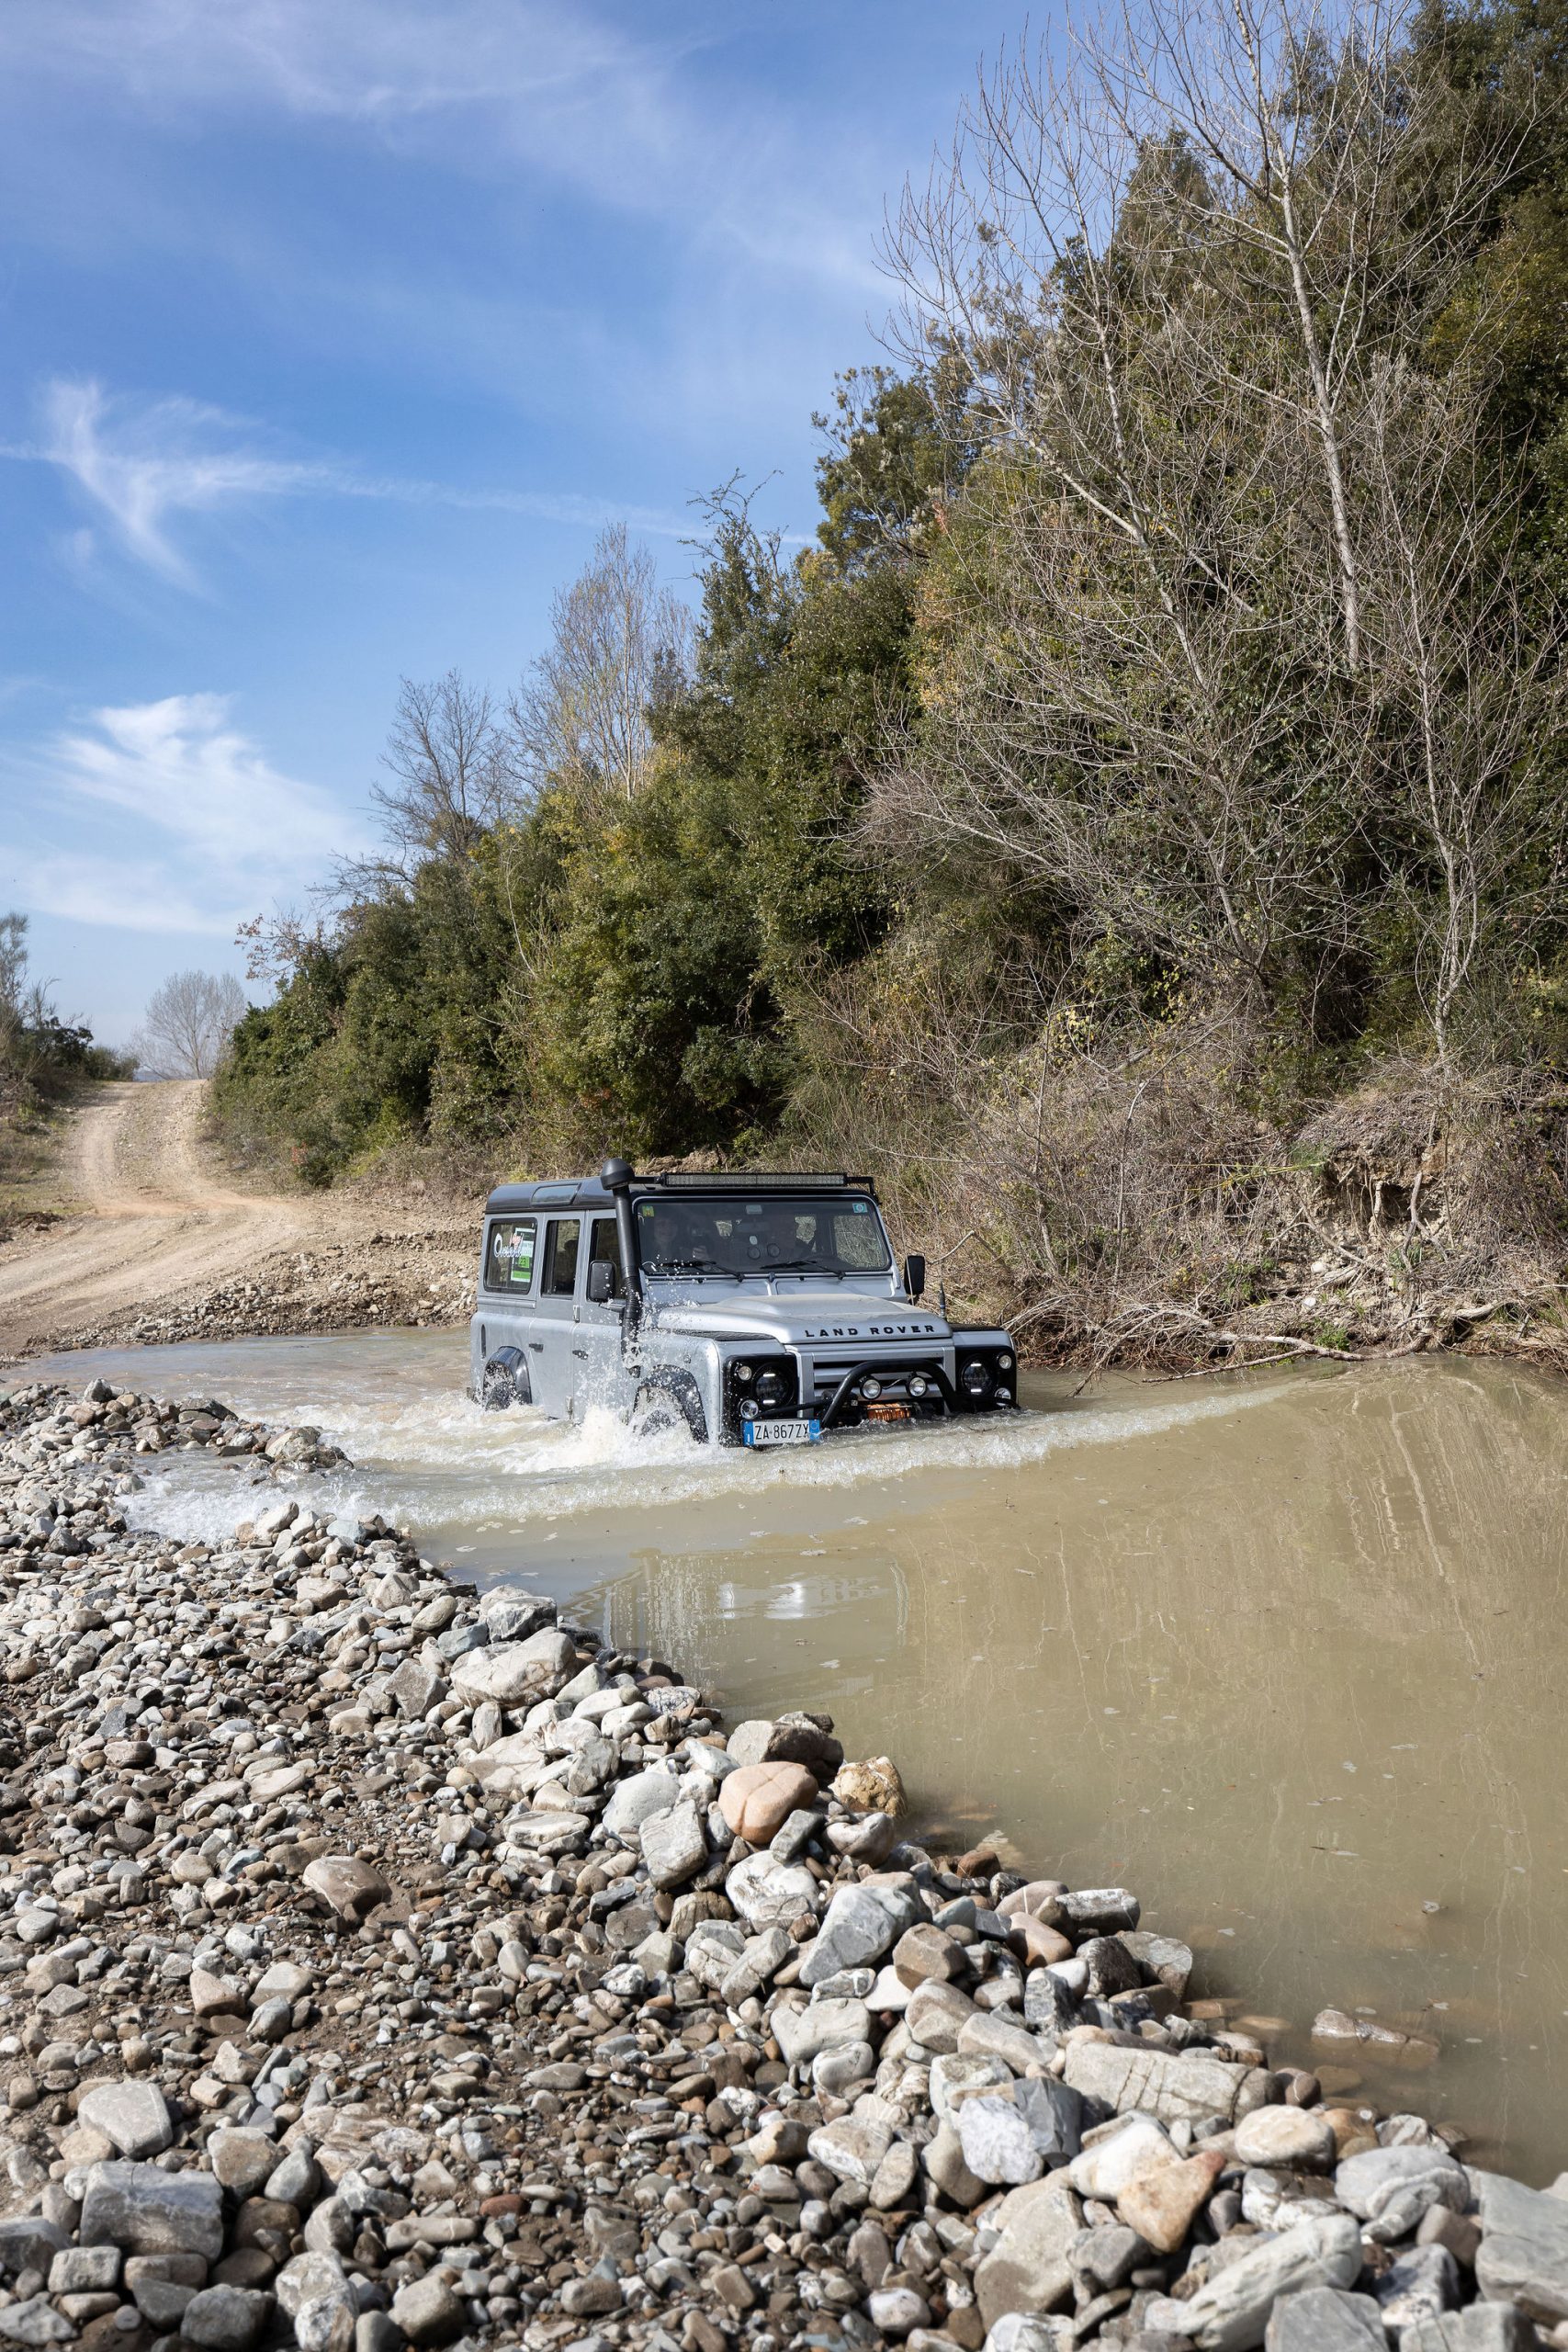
(556,1316)
(597,1354)
(504,1314)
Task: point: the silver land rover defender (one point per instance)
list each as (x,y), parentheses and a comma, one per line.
(758,1309)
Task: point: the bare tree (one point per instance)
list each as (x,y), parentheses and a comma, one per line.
(447,761)
(1189,277)
(620,647)
(189,1023)
(1474,695)
(1282,155)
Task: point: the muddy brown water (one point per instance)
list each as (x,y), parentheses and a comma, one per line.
(1284,1653)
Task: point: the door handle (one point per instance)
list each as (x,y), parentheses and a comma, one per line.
(581,1351)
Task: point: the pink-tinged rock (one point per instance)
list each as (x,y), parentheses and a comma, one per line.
(1162,2201)
(1037,1945)
(756,1800)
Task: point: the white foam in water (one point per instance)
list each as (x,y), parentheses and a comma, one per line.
(425,1453)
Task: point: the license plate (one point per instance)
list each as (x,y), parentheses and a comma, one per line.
(889,1413)
(780,1433)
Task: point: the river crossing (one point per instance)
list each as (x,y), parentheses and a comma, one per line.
(1281,1651)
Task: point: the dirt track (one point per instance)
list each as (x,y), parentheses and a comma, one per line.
(166,1246)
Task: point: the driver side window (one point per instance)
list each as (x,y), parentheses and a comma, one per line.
(560,1257)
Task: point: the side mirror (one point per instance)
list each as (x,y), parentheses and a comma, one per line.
(600,1283)
(915,1275)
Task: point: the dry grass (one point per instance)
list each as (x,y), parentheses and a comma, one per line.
(1125,1200)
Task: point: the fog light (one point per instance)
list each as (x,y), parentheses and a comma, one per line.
(1004,1362)
(770,1388)
(977,1380)
(919,1384)
(871,1385)
(743,1376)
(748,1410)
(1002,1396)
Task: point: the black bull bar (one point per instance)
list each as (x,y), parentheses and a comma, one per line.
(878,1368)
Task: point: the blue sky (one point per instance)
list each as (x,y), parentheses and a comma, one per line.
(333,331)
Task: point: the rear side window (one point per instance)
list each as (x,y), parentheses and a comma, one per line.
(560,1257)
(509,1262)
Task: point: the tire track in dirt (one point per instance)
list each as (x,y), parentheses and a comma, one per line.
(167,1245)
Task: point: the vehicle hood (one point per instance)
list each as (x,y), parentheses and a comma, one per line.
(805,1318)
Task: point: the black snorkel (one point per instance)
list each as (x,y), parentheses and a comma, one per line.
(617,1178)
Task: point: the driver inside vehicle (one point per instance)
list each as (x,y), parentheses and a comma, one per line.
(768,1233)
(679,1236)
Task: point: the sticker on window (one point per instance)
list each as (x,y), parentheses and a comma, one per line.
(512,1255)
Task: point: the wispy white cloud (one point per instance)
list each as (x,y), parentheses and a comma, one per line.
(212,829)
(482,87)
(144,465)
(115,894)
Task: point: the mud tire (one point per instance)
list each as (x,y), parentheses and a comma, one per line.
(505,1381)
(668,1405)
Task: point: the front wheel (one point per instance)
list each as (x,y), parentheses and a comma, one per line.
(668,1405)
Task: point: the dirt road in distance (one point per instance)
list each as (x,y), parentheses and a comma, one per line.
(160,1242)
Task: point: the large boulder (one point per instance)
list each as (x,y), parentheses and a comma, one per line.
(1231,2311)
(1524,2244)
(1188,2085)
(143,2210)
(1300,2139)
(1390,2189)
(134,2116)
(1324,2319)
(633,1801)
(756,1800)
(767,1893)
(791,1739)
(674,1845)
(861,1924)
(1484,2327)
(351,1887)
(1027,2270)
(514,1674)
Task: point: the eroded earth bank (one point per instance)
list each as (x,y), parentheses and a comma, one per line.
(382,1964)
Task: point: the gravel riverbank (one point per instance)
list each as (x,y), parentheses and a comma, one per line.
(381,1965)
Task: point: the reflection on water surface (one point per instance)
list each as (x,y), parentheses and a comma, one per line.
(1281,1654)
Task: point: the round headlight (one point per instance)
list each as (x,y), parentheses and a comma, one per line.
(743,1376)
(977,1380)
(919,1384)
(1004,1362)
(871,1385)
(770,1388)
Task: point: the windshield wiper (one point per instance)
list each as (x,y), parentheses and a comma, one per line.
(689,1266)
(801,1266)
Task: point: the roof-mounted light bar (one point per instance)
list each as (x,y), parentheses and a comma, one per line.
(756,1181)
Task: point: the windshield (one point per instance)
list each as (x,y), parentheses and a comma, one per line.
(774,1235)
